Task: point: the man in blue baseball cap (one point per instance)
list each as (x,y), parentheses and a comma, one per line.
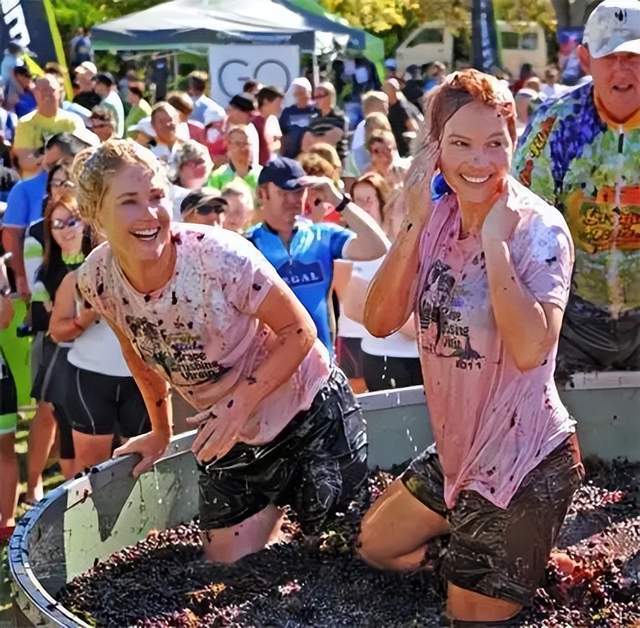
(303,252)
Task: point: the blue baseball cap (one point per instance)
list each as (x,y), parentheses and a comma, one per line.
(283,172)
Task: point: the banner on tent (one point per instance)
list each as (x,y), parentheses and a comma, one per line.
(231,65)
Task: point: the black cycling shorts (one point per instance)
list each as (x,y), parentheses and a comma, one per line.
(104,404)
(315,465)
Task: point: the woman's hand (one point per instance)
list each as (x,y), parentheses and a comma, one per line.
(219,428)
(150,446)
(417,183)
(502,219)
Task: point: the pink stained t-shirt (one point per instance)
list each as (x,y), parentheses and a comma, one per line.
(200,332)
(492,423)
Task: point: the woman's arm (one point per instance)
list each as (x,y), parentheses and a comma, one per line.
(341,277)
(395,282)
(296,334)
(529,328)
(64,324)
(156,394)
(354,305)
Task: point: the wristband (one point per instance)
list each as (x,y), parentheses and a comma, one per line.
(340,207)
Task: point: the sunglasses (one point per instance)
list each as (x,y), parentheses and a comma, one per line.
(210,208)
(321,95)
(70,223)
(61,184)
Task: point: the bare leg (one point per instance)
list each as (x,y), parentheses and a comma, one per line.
(227,545)
(466,605)
(396,529)
(91,449)
(68,467)
(42,434)
(9,475)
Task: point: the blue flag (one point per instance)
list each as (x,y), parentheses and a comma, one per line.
(484,37)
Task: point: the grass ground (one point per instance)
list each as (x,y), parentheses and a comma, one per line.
(52,478)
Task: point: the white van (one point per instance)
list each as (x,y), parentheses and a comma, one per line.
(522,42)
(432,41)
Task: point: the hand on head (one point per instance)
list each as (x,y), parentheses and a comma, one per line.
(424,165)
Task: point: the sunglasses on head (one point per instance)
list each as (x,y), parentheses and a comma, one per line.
(70,223)
(210,208)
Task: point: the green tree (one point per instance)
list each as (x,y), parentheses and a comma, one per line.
(73,14)
(376,16)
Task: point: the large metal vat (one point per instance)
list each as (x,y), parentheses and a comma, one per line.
(89,518)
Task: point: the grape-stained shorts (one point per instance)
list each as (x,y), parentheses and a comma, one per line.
(315,465)
(501,553)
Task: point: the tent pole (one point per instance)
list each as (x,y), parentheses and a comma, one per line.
(316,69)
(176,69)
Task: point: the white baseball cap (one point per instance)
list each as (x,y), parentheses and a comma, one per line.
(613,26)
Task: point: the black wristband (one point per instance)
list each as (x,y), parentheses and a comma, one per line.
(346,199)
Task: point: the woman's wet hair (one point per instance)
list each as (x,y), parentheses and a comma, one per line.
(94,168)
(462,88)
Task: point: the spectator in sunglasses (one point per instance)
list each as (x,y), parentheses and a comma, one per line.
(102,122)
(201,208)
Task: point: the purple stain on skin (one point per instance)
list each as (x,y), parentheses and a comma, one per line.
(100,288)
(200,236)
(409,226)
(299,330)
(513,419)
(159,403)
(174,298)
(550,260)
(190,324)
(230,404)
(125,301)
(257,287)
(147,298)
(252,380)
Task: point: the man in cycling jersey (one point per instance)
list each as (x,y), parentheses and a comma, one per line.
(580,153)
(303,252)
